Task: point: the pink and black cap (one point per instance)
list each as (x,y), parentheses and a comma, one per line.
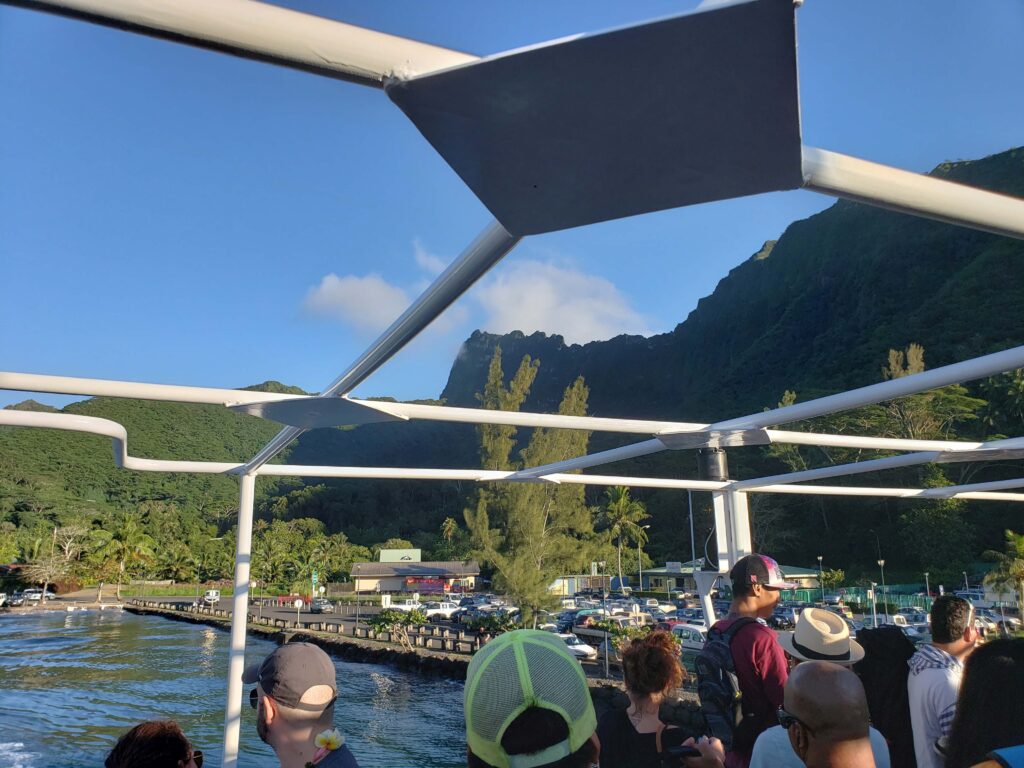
(759,569)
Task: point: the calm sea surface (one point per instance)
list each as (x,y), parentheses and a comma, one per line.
(70,683)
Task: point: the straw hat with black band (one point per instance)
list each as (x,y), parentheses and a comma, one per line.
(821,635)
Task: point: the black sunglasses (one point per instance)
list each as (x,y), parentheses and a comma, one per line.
(254,698)
(197,755)
(787,720)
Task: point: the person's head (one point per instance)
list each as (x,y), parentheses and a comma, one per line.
(823,705)
(757,584)
(650,665)
(988,711)
(528,705)
(154,744)
(953,622)
(294,694)
(821,635)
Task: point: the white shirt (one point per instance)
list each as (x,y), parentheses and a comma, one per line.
(773,750)
(932,688)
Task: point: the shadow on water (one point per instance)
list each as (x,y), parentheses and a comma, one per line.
(72,683)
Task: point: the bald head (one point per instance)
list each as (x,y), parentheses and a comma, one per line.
(829,699)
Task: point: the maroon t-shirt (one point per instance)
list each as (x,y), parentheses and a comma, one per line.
(762,671)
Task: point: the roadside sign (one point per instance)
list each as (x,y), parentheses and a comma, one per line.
(674,567)
(298,603)
(314,578)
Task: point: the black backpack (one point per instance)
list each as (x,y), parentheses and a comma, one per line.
(717,685)
(884,672)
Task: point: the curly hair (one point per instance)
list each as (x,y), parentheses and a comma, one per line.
(650,664)
(152,744)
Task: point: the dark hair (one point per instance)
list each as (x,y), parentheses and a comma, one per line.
(988,710)
(741,589)
(651,664)
(152,744)
(536,729)
(950,617)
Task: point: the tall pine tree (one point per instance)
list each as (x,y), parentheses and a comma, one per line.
(531,533)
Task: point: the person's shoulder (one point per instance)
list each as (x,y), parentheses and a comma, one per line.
(772,750)
(879,747)
(341,757)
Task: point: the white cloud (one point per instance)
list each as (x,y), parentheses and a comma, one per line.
(368,303)
(427,261)
(535,296)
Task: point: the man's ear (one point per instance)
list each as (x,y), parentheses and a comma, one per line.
(798,740)
(269,709)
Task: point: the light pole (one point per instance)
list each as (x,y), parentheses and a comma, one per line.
(966,585)
(885,604)
(821,580)
(927,589)
(874,605)
(640,556)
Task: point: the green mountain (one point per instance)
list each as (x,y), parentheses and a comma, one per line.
(814,312)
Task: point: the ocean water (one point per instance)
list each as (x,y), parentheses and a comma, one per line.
(71,683)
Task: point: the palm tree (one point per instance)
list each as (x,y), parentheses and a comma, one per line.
(623,516)
(1009,570)
(127,545)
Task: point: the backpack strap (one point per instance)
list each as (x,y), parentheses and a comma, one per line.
(734,628)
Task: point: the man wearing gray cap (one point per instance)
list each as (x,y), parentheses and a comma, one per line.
(294,701)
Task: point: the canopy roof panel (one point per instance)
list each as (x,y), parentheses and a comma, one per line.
(674,112)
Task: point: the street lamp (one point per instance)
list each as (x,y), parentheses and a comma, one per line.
(821,580)
(885,603)
(927,589)
(640,556)
(966,585)
(874,604)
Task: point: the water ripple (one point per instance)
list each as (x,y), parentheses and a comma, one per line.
(92,675)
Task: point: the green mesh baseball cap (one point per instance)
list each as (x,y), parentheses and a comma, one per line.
(518,670)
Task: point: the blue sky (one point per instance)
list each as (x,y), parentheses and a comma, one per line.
(179,216)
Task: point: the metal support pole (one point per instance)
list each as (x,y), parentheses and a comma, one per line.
(693,544)
(874,605)
(489,247)
(239,614)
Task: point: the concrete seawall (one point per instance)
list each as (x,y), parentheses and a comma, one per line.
(681,710)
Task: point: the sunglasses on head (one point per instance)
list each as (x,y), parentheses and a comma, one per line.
(787,720)
(197,756)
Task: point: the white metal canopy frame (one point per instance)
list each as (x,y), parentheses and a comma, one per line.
(553,136)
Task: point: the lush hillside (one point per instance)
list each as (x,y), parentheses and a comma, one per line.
(814,312)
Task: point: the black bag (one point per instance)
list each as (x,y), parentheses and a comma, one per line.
(884,673)
(717,685)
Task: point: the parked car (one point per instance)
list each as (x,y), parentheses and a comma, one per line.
(439,611)
(609,648)
(16,599)
(577,647)
(691,637)
(407,605)
(781,620)
(3,599)
(321,605)
(35,594)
